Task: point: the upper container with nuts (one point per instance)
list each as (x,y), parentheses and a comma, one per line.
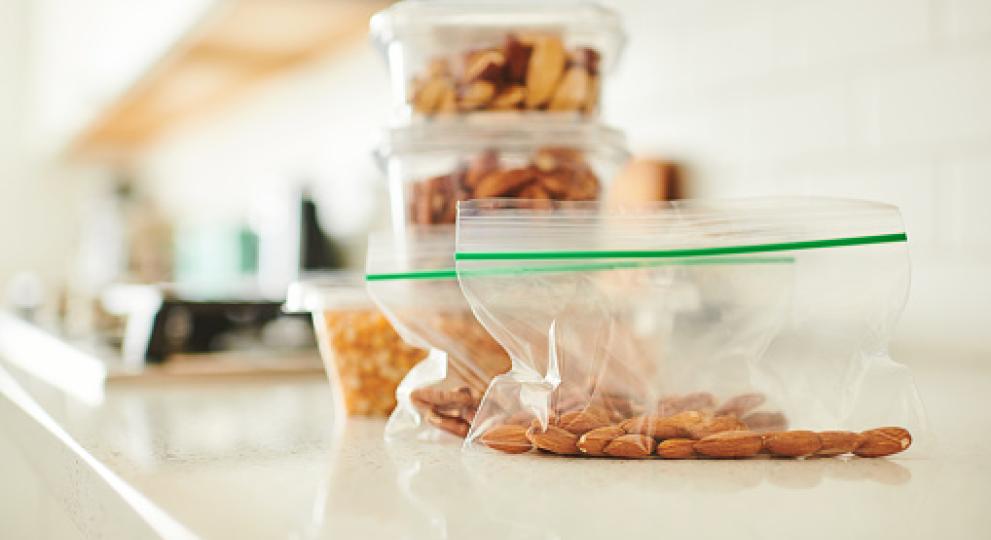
(457,58)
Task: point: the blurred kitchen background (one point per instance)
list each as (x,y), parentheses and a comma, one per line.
(225,146)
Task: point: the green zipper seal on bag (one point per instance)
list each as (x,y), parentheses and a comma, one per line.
(681,253)
(450,274)
(447,273)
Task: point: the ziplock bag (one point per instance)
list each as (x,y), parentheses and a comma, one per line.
(411,277)
(691,328)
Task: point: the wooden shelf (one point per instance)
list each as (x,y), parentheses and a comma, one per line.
(239,43)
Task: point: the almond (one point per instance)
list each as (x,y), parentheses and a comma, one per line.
(544,70)
(571,92)
(483,164)
(740,405)
(579,422)
(630,446)
(501,183)
(428,96)
(419,203)
(585,57)
(676,449)
(884,441)
(792,443)
(538,197)
(448,102)
(485,65)
(517,56)
(584,187)
(664,427)
(553,439)
(507,438)
(461,397)
(522,418)
(552,158)
(765,421)
(618,407)
(730,444)
(836,443)
(438,67)
(555,183)
(509,98)
(696,401)
(714,425)
(594,442)
(454,426)
(592,95)
(477,95)
(642,425)
(545,160)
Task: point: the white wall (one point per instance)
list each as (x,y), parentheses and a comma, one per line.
(36,231)
(316,126)
(879,99)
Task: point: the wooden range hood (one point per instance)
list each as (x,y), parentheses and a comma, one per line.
(240,43)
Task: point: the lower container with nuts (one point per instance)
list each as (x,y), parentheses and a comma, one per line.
(432,167)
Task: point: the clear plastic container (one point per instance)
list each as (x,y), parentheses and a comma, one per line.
(464,57)
(432,167)
(364,357)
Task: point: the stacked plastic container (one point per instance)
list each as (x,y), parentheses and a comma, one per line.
(496,99)
(491,99)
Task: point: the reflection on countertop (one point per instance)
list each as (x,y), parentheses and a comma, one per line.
(433,490)
(262,457)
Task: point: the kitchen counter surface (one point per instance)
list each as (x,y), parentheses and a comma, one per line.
(254,457)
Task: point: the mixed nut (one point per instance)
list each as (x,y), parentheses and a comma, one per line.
(669,433)
(527,72)
(552,173)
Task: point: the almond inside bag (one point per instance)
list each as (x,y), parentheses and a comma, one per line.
(411,278)
(720,329)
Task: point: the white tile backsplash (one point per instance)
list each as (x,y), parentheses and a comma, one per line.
(965,205)
(967,20)
(879,99)
(887,100)
(941,98)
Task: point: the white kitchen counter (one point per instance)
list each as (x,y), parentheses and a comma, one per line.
(253,457)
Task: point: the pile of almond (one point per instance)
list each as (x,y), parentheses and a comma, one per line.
(474,358)
(552,174)
(670,433)
(449,410)
(532,72)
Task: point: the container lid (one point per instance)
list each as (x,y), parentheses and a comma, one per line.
(327,290)
(457,134)
(415,17)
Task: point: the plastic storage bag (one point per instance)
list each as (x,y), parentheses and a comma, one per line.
(412,280)
(689,329)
